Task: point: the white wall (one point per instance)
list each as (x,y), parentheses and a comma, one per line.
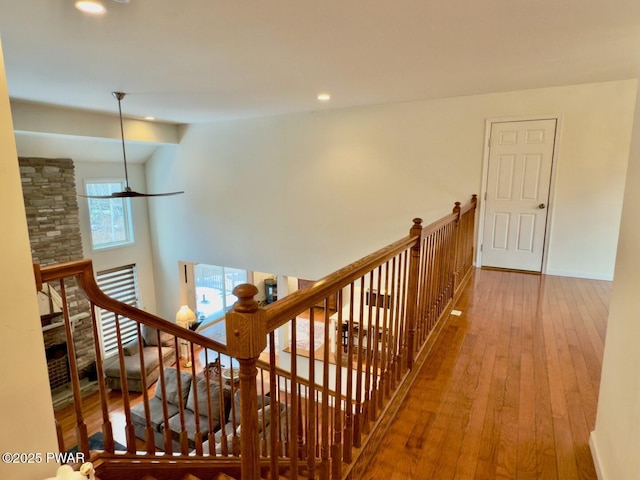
(139,252)
(26,412)
(615,441)
(304,194)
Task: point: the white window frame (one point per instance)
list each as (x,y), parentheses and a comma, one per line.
(128,220)
(120,283)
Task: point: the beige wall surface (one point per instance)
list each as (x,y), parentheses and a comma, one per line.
(26,412)
(305,194)
(616,439)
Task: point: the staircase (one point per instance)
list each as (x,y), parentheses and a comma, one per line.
(315,407)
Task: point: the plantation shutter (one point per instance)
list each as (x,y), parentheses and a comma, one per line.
(120,283)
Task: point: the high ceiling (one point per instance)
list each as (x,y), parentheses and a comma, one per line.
(200,60)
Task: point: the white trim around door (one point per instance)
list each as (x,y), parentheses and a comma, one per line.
(510,232)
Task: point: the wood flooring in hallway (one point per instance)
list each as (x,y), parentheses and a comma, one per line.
(509,390)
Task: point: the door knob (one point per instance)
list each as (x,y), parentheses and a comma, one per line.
(541,206)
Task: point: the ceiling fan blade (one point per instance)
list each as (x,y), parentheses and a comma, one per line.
(130,194)
(96,196)
(158,194)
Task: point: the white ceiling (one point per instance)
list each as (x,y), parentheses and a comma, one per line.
(187,61)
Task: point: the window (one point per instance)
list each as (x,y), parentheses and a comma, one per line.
(213,290)
(120,283)
(110,218)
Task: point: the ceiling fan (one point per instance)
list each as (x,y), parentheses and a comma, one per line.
(127,192)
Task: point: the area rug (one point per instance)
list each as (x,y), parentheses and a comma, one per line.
(96,442)
(303,340)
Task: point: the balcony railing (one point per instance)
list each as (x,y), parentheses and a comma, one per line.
(298,388)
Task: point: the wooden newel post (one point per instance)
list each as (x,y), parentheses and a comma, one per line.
(413,287)
(246,339)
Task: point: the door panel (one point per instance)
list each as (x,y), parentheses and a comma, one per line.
(518,182)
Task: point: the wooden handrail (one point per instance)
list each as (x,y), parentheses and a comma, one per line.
(82,270)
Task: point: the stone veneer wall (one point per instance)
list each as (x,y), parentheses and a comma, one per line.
(51,205)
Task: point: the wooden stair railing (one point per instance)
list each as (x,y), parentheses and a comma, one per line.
(332,379)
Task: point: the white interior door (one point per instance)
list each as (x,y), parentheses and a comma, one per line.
(517,194)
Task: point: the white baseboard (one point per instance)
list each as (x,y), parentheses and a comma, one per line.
(587,275)
(593,446)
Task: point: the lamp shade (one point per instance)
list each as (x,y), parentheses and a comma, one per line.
(185,316)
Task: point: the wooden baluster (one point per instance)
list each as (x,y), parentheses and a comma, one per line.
(392,351)
(421,310)
(432,252)
(375,346)
(107,429)
(311,400)
(386,331)
(81,426)
(336,447)
(357,420)
(263,430)
(149,433)
(399,300)
(295,445)
(324,422)
(437,274)
(369,352)
(225,451)
(302,418)
(276,421)
(183,435)
(287,417)
(402,319)
(168,440)
(208,379)
(197,436)
(412,289)
(126,403)
(425,285)
(348,416)
(235,439)
(246,338)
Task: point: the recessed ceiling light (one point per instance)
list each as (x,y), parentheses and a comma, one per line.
(324,97)
(95,8)
(149,117)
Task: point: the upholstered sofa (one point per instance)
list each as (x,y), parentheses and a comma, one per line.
(174,423)
(188,391)
(131,356)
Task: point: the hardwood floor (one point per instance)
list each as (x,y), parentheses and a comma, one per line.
(66,417)
(510,389)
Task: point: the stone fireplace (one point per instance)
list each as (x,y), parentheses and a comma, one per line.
(51,206)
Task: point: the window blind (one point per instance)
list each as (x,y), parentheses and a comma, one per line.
(120,283)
